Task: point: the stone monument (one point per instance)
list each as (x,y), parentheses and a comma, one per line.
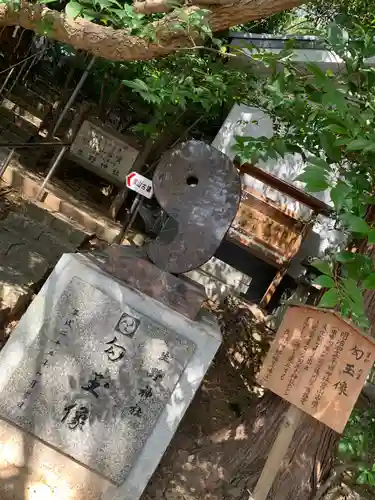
(102,366)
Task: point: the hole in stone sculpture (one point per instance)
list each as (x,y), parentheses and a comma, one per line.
(192,181)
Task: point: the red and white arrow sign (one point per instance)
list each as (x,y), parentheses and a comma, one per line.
(139,184)
(129,178)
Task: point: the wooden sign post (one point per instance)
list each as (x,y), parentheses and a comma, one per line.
(319,363)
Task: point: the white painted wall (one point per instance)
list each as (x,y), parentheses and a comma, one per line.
(249,121)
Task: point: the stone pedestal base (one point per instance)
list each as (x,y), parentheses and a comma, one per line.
(93,384)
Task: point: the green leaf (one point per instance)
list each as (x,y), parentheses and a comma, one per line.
(341,141)
(73,9)
(359,267)
(314,176)
(327,141)
(316,185)
(370,148)
(338,194)
(355,224)
(371,236)
(345,256)
(90,15)
(324,281)
(370,478)
(368,199)
(353,290)
(337,36)
(279,146)
(343,447)
(369,282)
(323,266)
(335,98)
(336,129)
(362,478)
(330,298)
(102,4)
(346,307)
(318,162)
(136,84)
(45,27)
(358,144)
(317,71)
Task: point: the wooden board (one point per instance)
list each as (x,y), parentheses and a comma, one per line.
(319,363)
(278,451)
(268,226)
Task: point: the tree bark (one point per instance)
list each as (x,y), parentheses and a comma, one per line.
(306,465)
(227,464)
(118,45)
(223,441)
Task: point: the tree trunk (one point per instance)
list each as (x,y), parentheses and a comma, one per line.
(305,466)
(224,439)
(228,467)
(118,45)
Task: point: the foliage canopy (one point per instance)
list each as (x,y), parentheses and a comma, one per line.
(327,118)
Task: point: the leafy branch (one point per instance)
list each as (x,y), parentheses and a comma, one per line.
(329,120)
(119,31)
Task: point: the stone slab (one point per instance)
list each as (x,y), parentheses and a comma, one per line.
(215,289)
(17,222)
(220,279)
(60,354)
(35,236)
(64,228)
(85,362)
(227,274)
(134,268)
(28,184)
(13,287)
(22,255)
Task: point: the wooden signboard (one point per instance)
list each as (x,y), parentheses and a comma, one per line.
(319,363)
(267,225)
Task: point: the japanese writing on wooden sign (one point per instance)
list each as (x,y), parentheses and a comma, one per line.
(319,363)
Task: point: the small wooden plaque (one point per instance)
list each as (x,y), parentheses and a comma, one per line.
(319,363)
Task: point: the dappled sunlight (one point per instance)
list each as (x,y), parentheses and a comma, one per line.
(259,424)
(9,473)
(40,491)
(52,484)
(11,453)
(221,436)
(241,433)
(220,425)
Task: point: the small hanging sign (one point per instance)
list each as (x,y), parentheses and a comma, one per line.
(139,184)
(319,363)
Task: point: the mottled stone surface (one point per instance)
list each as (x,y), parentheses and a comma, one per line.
(220,279)
(200,189)
(31,242)
(99,376)
(134,268)
(96,371)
